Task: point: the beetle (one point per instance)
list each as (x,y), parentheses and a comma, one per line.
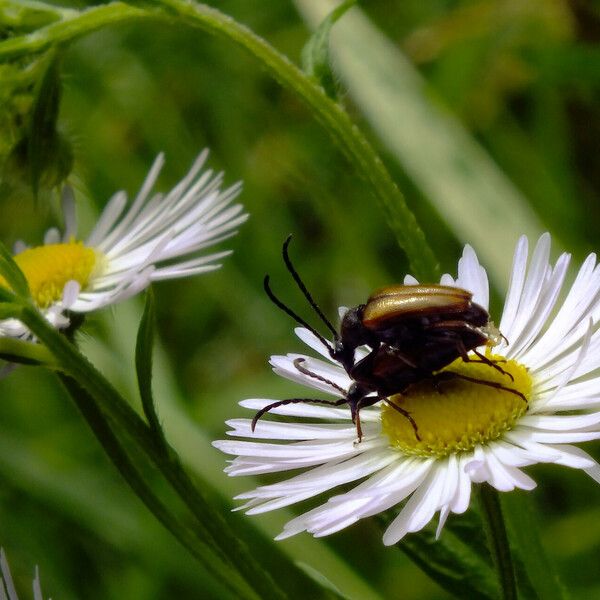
(411,332)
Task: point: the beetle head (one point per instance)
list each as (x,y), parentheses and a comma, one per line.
(352,334)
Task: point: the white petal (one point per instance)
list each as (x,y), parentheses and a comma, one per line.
(472,277)
(515,286)
(560,422)
(311,410)
(531,291)
(276,430)
(419,510)
(312,341)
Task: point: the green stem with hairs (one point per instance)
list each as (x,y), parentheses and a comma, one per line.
(215,564)
(498,540)
(209,523)
(329,113)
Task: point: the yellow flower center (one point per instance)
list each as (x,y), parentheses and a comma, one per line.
(48,269)
(459,414)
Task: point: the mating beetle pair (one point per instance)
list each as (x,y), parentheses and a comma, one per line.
(412,332)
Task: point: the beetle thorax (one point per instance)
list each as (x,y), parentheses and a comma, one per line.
(352,335)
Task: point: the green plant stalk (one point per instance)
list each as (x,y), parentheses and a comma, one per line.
(124,417)
(30,352)
(330,114)
(217,566)
(143,365)
(336,121)
(498,540)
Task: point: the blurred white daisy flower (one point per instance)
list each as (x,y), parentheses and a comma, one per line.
(158,236)
(469,433)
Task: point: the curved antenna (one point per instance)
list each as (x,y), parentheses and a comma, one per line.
(288,311)
(266,409)
(298,364)
(300,284)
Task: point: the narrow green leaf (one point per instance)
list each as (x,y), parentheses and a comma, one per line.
(49,154)
(321,580)
(13,275)
(118,455)
(495,527)
(523,527)
(468,528)
(361,155)
(209,520)
(26,15)
(28,353)
(451,564)
(8,309)
(73,24)
(451,169)
(143,364)
(315,54)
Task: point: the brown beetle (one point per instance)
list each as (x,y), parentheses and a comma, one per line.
(411,331)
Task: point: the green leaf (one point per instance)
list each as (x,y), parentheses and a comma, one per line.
(13,275)
(495,528)
(315,54)
(320,579)
(522,525)
(49,154)
(468,528)
(193,444)
(452,564)
(106,434)
(451,169)
(19,351)
(361,155)
(143,364)
(25,15)
(209,524)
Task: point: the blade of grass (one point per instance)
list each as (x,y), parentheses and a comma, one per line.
(459,178)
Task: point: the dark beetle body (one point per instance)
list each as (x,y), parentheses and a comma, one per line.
(413,331)
(410,332)
(419,321)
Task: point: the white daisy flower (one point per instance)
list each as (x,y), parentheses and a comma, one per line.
(158,236)
(469,433)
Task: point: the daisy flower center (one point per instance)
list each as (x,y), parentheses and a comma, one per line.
(48,269)
(459,414)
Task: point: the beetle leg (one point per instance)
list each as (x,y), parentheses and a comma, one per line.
(449,375)
(395,352)
(406,414)
(298,364)
(356,421)
(462,349)
(266,409)
(492,363)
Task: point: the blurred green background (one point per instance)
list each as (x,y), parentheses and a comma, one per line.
(511,92)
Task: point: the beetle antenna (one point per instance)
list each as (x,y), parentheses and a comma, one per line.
(300,283)
(266,409)
(298,364)
(288,311)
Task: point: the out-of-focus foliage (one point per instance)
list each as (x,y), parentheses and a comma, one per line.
(523,77)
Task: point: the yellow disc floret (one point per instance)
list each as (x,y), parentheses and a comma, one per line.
(48,269)
(455,415)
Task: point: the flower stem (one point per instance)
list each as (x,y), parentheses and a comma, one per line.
(331,115)
(216,564)
(498,540)
(210,524)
